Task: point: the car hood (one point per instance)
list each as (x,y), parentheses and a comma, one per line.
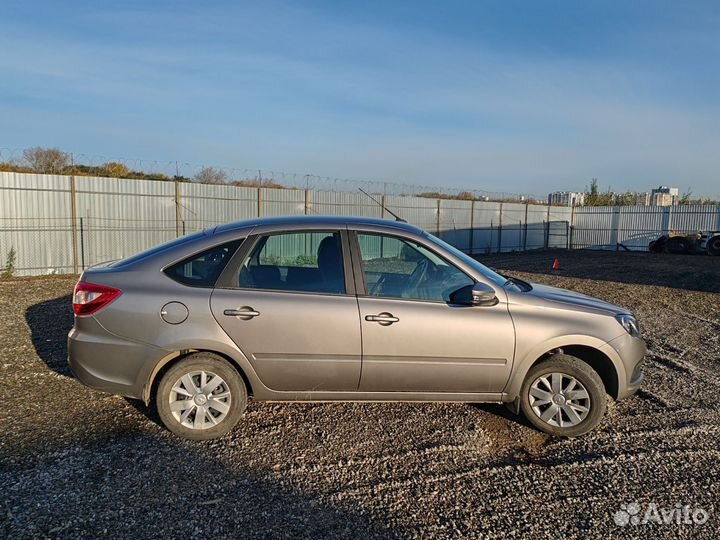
(554,297)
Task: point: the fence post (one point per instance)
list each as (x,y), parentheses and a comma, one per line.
(82,244)
(547,229)
(472,226)
(438,217)
(615,227)
(525,228)
(178,217)
(259,202)
(500,229)
(571,227)
(567,235)
(73,226)
(665,219)
(307,202)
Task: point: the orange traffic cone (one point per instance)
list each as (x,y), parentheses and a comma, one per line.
(556,265)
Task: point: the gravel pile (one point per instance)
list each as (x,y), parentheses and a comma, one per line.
(75,463)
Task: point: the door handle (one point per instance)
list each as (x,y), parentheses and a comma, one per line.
(382,318)
(244,313)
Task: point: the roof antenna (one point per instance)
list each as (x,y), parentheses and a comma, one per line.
(393,214)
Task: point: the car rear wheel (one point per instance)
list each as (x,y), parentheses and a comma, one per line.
(563,396)
(201,397)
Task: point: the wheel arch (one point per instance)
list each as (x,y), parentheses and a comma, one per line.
(169,360)
(596,359)
(590,350)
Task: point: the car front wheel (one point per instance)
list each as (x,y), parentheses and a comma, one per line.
(201,397)
(563,396)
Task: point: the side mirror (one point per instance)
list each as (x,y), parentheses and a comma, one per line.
(483,295)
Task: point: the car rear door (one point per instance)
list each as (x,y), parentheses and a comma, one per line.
(414,338)
(287,300)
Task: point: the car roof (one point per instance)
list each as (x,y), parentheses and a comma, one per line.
(330,221)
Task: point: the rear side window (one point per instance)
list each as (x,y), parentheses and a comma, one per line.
(203,269)
(298,262)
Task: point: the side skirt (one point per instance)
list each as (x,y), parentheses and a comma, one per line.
(271,395)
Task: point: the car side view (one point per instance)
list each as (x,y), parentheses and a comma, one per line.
(342,309)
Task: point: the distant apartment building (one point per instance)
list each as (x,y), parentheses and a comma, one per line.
(566,198)
(664,196)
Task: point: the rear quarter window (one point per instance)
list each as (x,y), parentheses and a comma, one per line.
(160,248)
(203,269)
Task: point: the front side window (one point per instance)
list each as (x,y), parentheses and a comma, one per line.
(483,270)
(397,268)
(203,269)
(298,261)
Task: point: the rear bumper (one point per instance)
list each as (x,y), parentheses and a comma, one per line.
(631,352)
(109,363)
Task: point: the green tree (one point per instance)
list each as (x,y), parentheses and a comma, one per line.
(9,269)
(594,197)
(592,194)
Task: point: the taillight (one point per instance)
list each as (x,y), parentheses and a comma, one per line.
(89,298)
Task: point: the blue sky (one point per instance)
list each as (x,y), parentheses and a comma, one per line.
(502,96)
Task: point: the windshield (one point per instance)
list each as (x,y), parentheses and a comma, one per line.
(491,275)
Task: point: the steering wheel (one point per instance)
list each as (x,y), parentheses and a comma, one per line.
(418,275)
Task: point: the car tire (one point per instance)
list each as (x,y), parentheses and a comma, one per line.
(196,405)
(577,414)
(713,245)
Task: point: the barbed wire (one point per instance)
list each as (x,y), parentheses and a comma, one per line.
(186,170)
(272,177)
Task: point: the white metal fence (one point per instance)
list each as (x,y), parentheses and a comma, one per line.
(635,226)
(62,224)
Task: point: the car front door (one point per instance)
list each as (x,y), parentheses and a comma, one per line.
(415,339)
(288,303)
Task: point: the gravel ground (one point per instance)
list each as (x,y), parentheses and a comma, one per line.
(75,463)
